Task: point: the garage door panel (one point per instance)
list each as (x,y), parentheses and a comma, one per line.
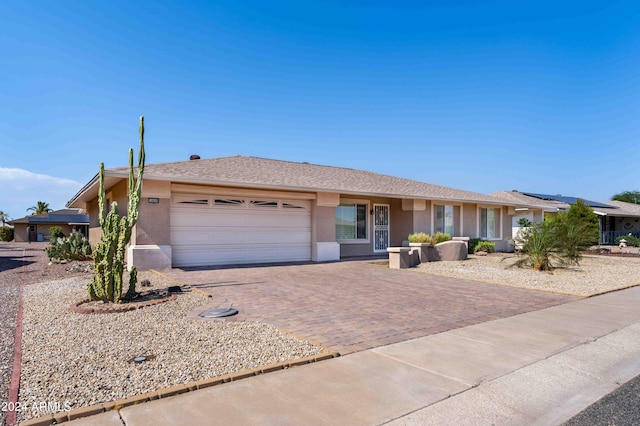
(195,217)
(255,219)
(195,236)
(212,255)
(226,235)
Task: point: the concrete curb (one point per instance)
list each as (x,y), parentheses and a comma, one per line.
(77,413)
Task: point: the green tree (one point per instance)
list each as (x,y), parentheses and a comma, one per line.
(4,217)
(628,197)
(581,218)
(40,208)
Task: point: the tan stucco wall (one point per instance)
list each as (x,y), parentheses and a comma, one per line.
(118,193)
(469,221)
(506,224)
(420,216)
(457,222)
(323,221)
(422,220)
(401,223)
(153,223)
(20,231)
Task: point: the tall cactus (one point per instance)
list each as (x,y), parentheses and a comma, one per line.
(106,283)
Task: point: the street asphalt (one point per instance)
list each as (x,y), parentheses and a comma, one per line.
(620,408)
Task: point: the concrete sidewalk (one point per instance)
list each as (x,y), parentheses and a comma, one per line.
(540,367)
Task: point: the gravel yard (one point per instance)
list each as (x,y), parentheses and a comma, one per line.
(76,360)
(20,263)
(595,275)
(73,360)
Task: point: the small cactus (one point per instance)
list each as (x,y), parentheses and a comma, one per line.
(109,255)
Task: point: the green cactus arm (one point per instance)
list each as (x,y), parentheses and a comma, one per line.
(101,195)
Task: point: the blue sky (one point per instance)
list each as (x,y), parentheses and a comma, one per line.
(538,96)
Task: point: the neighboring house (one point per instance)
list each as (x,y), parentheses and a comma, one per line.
(617,218)
(36,227)
(234,210)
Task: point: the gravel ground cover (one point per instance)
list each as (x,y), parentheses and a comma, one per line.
(20,263)
(74,360)
(594,275)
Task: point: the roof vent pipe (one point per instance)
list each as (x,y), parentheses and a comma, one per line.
(194,157)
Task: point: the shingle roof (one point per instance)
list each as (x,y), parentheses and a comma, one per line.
(619,208)
(262,172)
(519,197)
(623,209)
(58,216)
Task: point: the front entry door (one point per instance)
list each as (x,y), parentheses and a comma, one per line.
(380,228)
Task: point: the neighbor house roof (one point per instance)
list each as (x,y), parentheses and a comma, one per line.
(528,201)
(253,172)
(622,209)
(607,208)
(68,216)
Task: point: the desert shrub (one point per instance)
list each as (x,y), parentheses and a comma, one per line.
(74,247)
(6,233)
(486,246)
(630,239)
(473,242)
(55,232)
(523,222)
(419,237)
(439,237)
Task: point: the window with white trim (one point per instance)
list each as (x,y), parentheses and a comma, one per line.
(351,221)
(445,219)
(488,220)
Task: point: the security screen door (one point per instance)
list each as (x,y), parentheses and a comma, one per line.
(380,228)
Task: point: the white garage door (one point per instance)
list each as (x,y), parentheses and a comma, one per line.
(210,230)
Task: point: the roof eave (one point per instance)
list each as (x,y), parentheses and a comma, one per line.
(311,189)
(90,190)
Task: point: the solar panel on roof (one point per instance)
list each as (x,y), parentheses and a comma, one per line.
(568,200)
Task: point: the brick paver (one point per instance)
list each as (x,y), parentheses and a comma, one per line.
(357,305)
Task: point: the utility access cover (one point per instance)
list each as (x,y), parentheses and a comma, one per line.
(219,313)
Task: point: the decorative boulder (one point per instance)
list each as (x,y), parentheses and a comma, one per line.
(451,250)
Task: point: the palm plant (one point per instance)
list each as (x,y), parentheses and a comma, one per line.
(558,241)
(4,217)
(538,246)
(40,208)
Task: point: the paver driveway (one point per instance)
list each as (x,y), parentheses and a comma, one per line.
(356,305)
